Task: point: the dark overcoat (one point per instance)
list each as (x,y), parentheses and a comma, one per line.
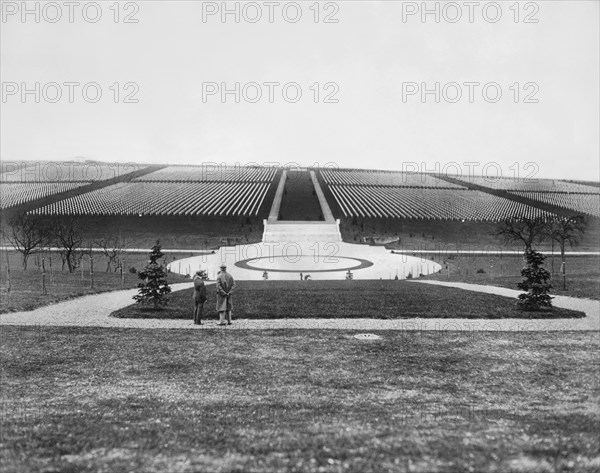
(199,290)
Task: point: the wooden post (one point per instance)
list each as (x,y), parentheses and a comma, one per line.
(7,273)
(552,257)
(81,265)
(44,291)
(91,270)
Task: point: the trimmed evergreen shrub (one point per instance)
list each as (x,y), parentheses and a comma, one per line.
(535,282)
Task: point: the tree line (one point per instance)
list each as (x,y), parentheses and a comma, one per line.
(561,231)
(29,236)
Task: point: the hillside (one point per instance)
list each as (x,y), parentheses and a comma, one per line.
(209,206)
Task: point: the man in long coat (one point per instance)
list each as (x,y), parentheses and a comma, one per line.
(225,285)
(199,297)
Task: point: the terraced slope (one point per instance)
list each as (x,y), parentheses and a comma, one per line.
(30,185)
(165,198)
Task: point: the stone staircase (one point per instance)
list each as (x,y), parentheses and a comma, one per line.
(301,232)
(295,231)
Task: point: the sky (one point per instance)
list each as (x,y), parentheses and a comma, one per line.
(511,89)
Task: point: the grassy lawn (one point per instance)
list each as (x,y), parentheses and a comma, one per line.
(124,400)
(582,278)
(26,285)
(348,299)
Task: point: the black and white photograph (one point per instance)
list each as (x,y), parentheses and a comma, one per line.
(301,236)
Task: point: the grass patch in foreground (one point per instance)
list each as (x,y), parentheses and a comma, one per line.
(348,299)
(123,400)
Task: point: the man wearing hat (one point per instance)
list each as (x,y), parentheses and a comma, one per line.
(225,285)
(199,296)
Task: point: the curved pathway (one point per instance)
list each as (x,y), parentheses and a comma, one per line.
(94,311)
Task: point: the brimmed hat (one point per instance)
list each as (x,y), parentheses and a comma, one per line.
(223,266)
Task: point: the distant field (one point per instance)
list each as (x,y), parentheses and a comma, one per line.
(108,400)
(388,194)
(212,189)
(27,182)
(425,203)
(524,184)
(210,205)
(588,204)
(211,172)
(64,171)
(348,299)
(383,178)
(164,198)
(16,193)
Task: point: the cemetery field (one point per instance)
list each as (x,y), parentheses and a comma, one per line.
(26,286)
(90,399)
(582,272)
(378,299)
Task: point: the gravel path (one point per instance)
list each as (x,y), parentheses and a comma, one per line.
(94,310)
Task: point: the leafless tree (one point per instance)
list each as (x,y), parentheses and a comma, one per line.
(566,230)
(113,248)
(523,230)
(67,237)
(27,235)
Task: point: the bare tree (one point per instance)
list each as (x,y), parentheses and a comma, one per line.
(112,248)
(67,237)
(523,230)
(27,236)
(566,230)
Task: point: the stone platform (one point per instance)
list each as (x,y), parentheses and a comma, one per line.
(319,260)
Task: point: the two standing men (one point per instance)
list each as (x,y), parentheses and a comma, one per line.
(225,284)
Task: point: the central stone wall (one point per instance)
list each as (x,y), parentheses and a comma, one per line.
(288,231)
